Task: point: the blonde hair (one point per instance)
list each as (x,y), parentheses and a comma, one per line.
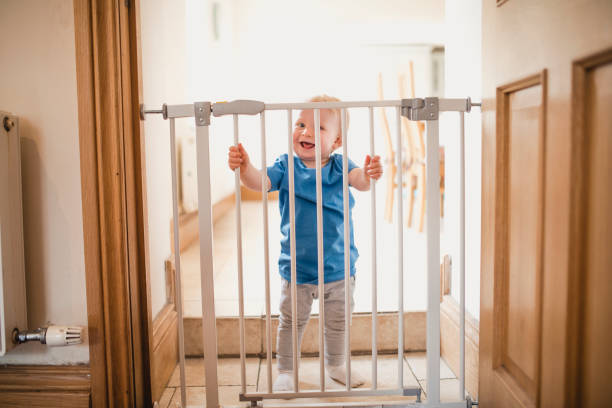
(337,111)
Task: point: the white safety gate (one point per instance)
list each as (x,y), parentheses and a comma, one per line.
(427,110)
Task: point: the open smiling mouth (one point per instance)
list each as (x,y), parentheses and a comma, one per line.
(307,145)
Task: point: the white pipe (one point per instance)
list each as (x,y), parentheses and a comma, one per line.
(264,194)
(432,198)
(209,325)
(400,252)
(373,248)
(347,255)
(292,245)
(445,105)
(331,105)
(321,266)
(177,262)
(455,104)
(462,256)
(239,260)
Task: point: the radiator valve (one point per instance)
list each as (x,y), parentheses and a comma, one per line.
(52,336)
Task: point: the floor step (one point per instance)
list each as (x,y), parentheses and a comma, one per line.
(228,338)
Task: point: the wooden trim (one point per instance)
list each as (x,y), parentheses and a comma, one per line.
(170,282)
(37,386)
(42,399)
(250,195)
(449,343)
(162,322)
(165,349)
(446,278)
(136,201)
(30,378)
(90,195)
(114,220)
(223,206)
(503,366)
(188,222)
(578,221)
(164,338)
(188,231)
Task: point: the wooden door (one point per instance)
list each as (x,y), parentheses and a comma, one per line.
(546,284)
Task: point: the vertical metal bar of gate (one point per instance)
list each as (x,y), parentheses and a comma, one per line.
(320,264)
(177,262)
(264,195)
(462,256)
(294,314)
(373,255)
(400,250)
(209,328)
(240,264)
(432,197)
(347,254)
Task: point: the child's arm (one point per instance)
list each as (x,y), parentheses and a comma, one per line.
(249,175)
(360,177)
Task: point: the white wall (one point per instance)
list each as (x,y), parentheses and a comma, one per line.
(38,83)
(164,73)
(463,78)
(288,50)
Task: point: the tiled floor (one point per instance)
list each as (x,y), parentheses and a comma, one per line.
(225,264)
(256,379)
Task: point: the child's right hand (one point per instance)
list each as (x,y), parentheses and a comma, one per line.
(237,157)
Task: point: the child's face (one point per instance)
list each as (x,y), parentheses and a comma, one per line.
(304,135)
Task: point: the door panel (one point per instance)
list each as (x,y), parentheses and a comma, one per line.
(518,272)
(524,235)
(598,295)
(590,312)
(546,295)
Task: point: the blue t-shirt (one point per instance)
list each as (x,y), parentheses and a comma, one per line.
(306,219)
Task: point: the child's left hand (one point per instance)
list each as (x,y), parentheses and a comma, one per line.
(372,167)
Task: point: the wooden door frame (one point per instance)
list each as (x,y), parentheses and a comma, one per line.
(114,201)
(578,266)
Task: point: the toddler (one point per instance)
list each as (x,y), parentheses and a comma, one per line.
(306,233)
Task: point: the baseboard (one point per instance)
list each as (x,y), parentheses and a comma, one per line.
(188,222)
(361,334)
(44,386)
(449,343)
(188,230)
(165,349)
(250,195)
(223,206)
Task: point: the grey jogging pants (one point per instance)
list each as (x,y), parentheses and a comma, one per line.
(334,320)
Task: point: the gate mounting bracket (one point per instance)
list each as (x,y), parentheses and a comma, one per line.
(202,113)
(420,109)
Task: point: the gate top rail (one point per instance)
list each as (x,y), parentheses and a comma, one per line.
(252,107)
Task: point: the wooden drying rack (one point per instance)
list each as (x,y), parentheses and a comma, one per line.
(413,163)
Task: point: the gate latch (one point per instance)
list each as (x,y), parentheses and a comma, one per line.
(420,109)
